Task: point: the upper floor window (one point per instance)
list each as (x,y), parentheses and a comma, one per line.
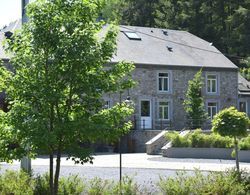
(164,110)
(243,106)
(163,82)
(212,109)
(212,83)
(106,104)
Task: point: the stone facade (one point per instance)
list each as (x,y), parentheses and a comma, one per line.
(147,89)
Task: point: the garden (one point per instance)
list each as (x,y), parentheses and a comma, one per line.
(209,145)
(198,139)
(229,182)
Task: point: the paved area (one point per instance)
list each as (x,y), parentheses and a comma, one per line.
(144,161)
(145,170)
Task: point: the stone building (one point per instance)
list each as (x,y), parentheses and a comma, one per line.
(165,61)
(244,95)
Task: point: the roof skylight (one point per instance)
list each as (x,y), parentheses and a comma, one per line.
(132,35)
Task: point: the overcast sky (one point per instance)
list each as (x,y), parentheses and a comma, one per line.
(10,10)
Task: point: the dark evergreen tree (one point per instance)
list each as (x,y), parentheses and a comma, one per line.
(194,102)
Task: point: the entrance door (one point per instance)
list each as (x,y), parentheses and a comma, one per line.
(146,119)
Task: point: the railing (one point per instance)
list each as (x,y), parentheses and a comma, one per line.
(198,123)
(158,124)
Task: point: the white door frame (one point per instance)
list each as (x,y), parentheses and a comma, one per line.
(146,121)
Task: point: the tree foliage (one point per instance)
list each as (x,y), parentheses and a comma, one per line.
(230,122)
(60,60)
(194,102)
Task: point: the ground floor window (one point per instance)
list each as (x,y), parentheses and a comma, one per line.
(164,110)
(243,106)
(212,109)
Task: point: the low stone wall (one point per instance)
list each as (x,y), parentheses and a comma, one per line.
(207,153)
(244,155)
(154,145)
(136,139)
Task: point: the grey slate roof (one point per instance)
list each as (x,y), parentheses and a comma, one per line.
(243,86)
(11,27)
(152,49)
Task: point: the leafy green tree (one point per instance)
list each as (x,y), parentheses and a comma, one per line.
(61,61)
(131,12)
(245,71)
(112,10)
(194,103)
(230,122)
(225,23)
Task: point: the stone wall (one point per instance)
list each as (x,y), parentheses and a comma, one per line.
(147,78)
(135,141)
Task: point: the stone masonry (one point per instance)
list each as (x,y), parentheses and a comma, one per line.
(147,78)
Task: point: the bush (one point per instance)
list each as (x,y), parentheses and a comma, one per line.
(98,186)
(128,187)
(18,183)
(213,183)
(67,185)
(245,143)
(177,140)
(197,139)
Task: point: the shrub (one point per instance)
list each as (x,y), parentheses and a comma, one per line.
(245,143)
(67,185)
(128,187)
(212,183)
(197,139)
(98,186)
(18,183)
(177,140)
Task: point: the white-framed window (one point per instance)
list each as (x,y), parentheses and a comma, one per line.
(163,82)
(212,109)
(243,106)
(107,104)
(212,83)
(164,113)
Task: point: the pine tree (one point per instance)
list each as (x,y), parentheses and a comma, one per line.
(194,103)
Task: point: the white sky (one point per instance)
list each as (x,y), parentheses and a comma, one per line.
(10,10)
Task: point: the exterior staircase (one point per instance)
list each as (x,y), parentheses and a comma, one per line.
(154,145)
(159,144)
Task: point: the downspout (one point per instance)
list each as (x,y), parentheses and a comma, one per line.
(24,16)
(238,92)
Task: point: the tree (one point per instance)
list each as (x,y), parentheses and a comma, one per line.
(194,103)
(60,60)
(230,122)
(131,12)
(112,10)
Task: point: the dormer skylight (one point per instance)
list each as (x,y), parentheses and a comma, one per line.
(170,49)
(165,32)
(8,34)
(132,35)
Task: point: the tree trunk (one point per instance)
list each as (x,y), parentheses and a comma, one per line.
(236,154)
(51,173)
(58,164)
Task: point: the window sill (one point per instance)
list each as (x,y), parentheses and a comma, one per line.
(164,92)
(212,93)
